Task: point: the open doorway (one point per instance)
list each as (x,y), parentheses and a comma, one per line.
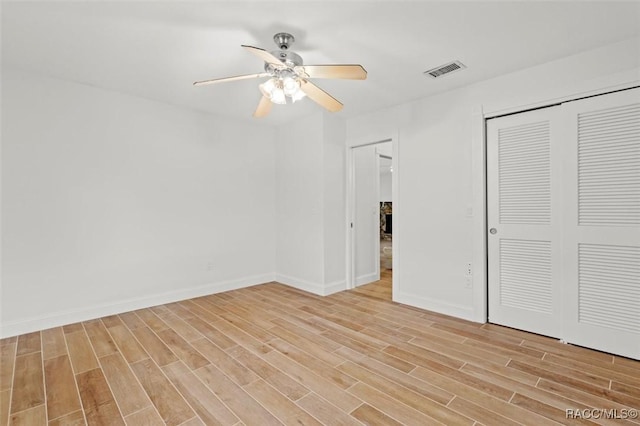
(371,242)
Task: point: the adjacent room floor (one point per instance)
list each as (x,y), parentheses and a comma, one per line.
(270,354)
(380,289)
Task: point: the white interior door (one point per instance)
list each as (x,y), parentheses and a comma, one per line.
(602,223)
(366,215)
(524,241)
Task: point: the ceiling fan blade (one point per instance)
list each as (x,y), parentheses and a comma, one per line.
(264,55)
(349,72)
(234,78)
(321,97)
(264,106)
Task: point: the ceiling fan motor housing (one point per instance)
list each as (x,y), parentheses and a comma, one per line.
(290,59)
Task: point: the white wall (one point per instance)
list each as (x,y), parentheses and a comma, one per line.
(385,148)
(111,203)
(334,130)
(386,190)
(434,166)
(310,204)
(299,204)
(386,194)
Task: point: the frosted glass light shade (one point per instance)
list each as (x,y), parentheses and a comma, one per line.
(278,96)
(267,87)
(297,95)
(290,86)
(281,90)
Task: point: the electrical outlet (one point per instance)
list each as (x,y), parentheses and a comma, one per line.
(469,211)
(469,272)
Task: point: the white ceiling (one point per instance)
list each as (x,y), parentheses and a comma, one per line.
(157,49)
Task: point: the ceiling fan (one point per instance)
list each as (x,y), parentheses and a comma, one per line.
(289,78)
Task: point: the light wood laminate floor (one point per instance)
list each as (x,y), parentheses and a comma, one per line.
(380,289)
(271,354)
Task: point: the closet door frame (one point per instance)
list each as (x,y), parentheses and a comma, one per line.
(574,330)
(478,208)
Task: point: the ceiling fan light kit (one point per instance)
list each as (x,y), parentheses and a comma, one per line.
(283,87)
(289,78)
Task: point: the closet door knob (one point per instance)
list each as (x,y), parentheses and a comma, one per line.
(493,231)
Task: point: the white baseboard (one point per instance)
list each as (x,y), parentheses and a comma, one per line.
(301,284)
(367,278)
(335,287)
(315,288)
(14,328)
(445,308)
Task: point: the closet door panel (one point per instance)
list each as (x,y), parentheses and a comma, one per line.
(524,237)
(602,223)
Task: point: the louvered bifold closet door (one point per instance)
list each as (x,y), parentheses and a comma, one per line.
(523,192)
(602,228)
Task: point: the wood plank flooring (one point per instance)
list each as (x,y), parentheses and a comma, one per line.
(271,354)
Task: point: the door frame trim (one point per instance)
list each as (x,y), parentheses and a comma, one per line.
(350,204)
(480,252)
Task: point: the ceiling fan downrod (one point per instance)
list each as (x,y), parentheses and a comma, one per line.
(283,40)
(288,58)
